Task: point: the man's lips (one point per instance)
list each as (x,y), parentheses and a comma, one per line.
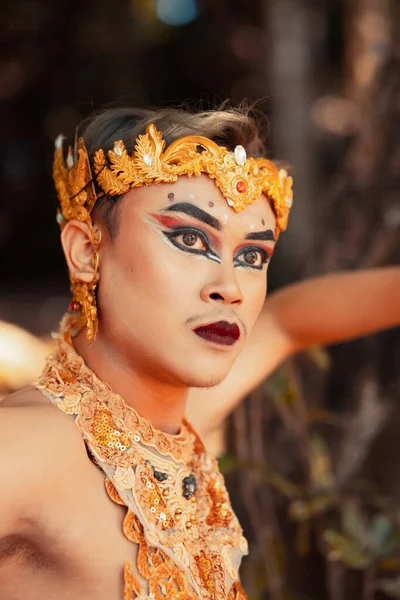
(220,332)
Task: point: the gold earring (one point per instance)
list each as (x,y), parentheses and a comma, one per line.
(96,236)
(84,296)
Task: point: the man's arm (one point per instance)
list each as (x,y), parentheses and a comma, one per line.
(319,311)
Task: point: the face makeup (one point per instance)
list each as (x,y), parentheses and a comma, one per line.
(193,240)
(220,333)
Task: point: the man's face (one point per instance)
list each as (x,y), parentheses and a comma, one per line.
(184,280)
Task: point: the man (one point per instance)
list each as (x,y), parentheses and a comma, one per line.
(167,229)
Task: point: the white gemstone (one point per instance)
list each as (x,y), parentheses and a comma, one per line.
(59,218)
(137,438)
(59,141)
(163,516)
(289,202)
(240,155)
(230,202)
(70,160)
(147,160)
(152,509)
(117,150)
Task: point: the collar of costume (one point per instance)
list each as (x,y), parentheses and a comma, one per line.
(240,179)
(178,510)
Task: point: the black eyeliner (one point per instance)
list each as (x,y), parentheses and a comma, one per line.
(265,257)
(180,231)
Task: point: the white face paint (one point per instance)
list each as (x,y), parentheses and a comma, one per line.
(251,226)
(225,219)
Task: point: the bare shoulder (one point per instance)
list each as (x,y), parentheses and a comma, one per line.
(29,396)
(38,445)
(28,420)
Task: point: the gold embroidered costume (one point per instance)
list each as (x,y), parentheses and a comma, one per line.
(189,542)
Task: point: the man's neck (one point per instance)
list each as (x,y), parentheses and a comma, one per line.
(161,403)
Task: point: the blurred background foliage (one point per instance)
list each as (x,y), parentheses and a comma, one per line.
(311,456)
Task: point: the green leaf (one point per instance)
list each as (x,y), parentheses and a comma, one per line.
(227,463)
(321,464)
(320,357)
(379,532)
(283,485)
(355,524)
(345,550)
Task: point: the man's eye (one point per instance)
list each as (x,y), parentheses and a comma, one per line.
(253,257)
(192,240)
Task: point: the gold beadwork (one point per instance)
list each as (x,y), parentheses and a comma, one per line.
(105,432)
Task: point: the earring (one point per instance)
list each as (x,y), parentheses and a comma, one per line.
(96,236)
(84,296)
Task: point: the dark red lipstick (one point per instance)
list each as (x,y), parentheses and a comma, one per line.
(220,332)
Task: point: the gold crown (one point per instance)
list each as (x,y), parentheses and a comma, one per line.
(240,179)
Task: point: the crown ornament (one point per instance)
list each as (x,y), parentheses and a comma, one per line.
(240,179)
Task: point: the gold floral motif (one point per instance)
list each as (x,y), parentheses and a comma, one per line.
(112,492)
(106,432)
(240,181)
(124,478)
(220,514)
(131,585)
(74,184)
(205,571)
(237,592)
(153,498)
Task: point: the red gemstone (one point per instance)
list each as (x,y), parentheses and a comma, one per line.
(74,306)
(241,187)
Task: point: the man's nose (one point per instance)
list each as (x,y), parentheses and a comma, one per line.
(223,288)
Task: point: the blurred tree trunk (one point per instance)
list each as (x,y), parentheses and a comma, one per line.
(290,87)
(367,39)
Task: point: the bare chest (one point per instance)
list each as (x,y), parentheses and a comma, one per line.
(73,548)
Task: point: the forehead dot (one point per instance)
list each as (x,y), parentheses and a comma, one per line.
(211,204)
(171,196)
(262,221)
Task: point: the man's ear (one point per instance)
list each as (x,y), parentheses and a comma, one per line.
(76,240)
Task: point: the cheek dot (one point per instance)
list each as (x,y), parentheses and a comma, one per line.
(171,196)
(211,204)
(262,221)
